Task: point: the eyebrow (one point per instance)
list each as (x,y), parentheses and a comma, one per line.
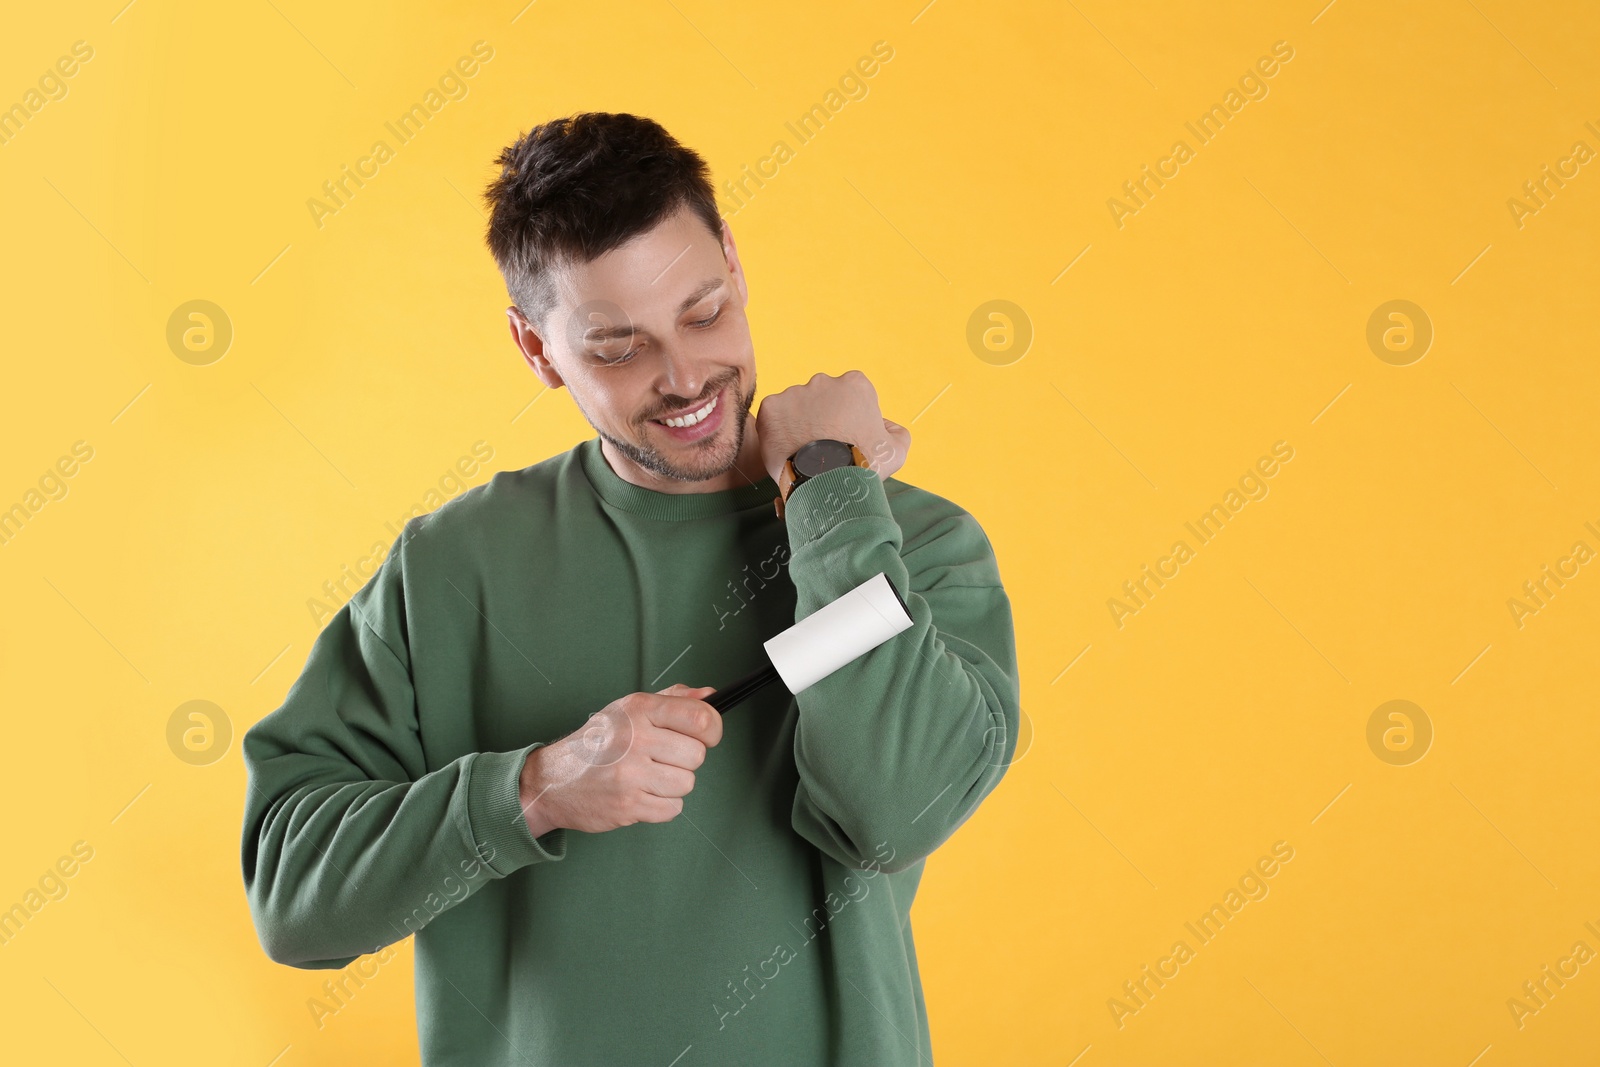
(700,292)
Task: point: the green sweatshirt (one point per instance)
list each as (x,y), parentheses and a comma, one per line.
(770,921)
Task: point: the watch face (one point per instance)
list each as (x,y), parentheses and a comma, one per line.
(818,456)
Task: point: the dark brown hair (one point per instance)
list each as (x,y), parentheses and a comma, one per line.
(578,187)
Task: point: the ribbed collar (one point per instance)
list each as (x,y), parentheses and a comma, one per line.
(620,493)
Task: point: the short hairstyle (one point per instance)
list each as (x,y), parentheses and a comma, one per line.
(575,188)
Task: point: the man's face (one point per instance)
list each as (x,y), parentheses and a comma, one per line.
(653,329)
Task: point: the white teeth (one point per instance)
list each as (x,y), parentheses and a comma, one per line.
(693,417)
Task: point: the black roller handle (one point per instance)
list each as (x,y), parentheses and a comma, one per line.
(729,695)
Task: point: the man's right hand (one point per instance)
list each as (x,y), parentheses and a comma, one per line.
(632,761)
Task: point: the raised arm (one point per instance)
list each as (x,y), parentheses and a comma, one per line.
(896,749)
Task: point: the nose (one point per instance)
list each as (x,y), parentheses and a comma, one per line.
(683,381)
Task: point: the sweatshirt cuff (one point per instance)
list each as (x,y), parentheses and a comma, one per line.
(494,814)
(819,504)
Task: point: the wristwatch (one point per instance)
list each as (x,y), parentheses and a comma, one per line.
(810,460)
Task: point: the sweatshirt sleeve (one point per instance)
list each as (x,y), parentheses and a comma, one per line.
(896,749)
(350,843)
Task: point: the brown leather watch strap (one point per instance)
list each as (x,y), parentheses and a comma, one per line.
(787,476)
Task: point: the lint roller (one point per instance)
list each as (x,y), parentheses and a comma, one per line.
(827,639)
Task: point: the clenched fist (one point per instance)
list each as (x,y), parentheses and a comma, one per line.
(632,761)
(843,408)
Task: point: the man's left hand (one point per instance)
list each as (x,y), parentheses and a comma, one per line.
(842,409)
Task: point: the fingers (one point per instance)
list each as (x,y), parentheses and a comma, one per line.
(669,782)
(658,809)
(679,689)
(688,714)
(677,750)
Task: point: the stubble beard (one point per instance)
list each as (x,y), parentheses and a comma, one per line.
(714,457)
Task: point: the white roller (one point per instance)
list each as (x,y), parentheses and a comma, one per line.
(838,632)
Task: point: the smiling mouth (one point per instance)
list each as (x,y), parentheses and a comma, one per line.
(692,417)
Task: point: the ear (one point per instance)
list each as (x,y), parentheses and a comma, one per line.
(731,255)
(531,345)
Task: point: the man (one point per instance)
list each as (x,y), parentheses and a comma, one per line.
(599,871)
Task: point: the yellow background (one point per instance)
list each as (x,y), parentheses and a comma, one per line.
(1229,313)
